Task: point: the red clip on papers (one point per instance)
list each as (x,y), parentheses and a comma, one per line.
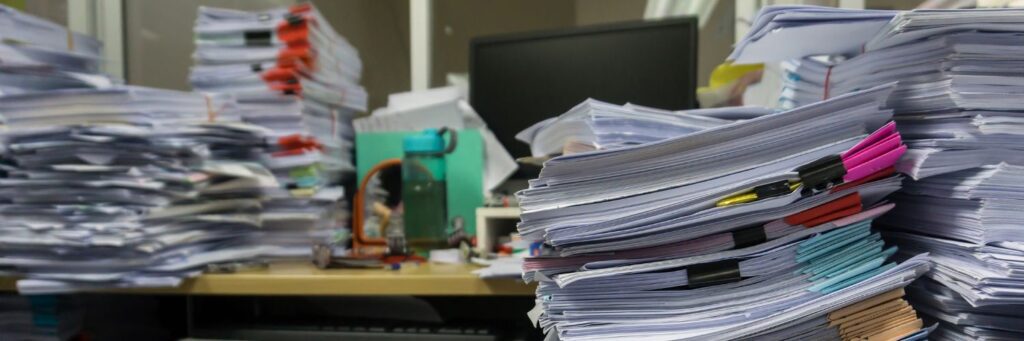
(296,145)
(283,79)
(842,207)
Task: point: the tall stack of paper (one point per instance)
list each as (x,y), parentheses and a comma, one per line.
(755,229)
(110,198)
(595,125)
(970,222)
(293,74)
(116,186)
(289,70)
(959,77)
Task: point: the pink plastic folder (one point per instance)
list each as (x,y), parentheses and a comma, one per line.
(879,150)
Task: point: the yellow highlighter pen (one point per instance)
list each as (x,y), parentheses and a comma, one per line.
(750,196)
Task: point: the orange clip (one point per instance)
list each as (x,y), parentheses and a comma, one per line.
(294,33)
(835,209)
(298,141)
(293,56)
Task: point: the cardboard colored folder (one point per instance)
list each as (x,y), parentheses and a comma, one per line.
(884,317)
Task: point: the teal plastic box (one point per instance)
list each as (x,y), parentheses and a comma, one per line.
(465,166)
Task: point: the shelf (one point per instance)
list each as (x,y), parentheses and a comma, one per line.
(295,279)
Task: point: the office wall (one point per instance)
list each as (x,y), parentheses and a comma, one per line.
(589,12)
(456,22)
(52,10)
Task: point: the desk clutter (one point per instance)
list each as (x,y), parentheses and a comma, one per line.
(775,228)
(755,229)
(107,185)
(958,79)
(878,199)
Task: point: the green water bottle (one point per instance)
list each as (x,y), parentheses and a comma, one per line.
(424,189)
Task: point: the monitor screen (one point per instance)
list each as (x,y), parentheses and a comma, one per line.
(519,79)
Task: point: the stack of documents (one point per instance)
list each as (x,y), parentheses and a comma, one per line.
(104,185)
(959,320)
(785,32)
(117,186)
(593,125)
(86,205)
(290,72)
(957,101)
(960,69)
(970,222)
(755,229)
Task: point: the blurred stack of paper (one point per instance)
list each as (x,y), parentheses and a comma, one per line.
(970,222)
(290,72)
(593,125)
(125,187)
(961,320)
(39,55)
(754,229)
(958,70)
(784,32)
(960,74)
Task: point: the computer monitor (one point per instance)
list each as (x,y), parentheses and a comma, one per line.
(519,79)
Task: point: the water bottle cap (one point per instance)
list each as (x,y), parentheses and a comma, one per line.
(426,142)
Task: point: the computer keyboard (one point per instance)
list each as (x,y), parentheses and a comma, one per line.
(345,332)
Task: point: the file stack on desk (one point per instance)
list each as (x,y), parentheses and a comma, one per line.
(593,125)
(105,185)
(958,104)
(970,222)
(134,188)
(289,71)
(755,229)
(292,73)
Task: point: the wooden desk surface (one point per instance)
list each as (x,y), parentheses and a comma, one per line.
(295,279)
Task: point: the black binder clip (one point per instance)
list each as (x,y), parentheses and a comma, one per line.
(294,19)
(721,272)
(258,38)
(772,190)
(822,173)
(748,237)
